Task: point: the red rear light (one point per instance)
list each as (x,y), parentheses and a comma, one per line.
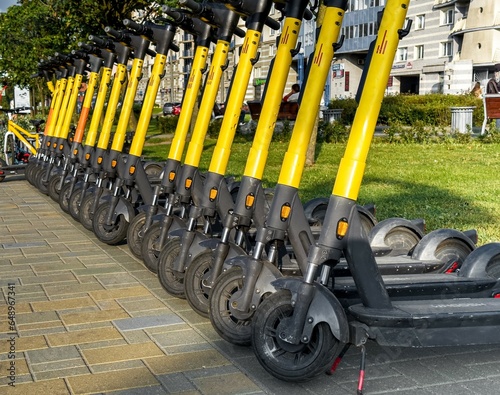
(453,268)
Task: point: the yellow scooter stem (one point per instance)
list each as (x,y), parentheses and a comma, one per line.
(352,165)
(220,156)
(91,137)
(192,89)
(295,157)
(195,148)
(258,154)
(114,97)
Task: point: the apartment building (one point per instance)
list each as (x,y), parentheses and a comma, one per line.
(451,44)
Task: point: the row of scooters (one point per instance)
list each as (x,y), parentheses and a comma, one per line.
(300,282)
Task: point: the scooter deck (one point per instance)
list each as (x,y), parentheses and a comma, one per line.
(422,286)
(394,265)
(432,323)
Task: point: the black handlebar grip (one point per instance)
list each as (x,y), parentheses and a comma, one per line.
(141,29)
(119,35)
(99,41)
(239,32)
(272,23)
(175,15)
(173,47)
(193,5)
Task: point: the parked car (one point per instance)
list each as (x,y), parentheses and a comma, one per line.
(168,108)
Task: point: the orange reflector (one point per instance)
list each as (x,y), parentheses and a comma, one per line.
(213,194)
(188,182)
(249,200)
(113,163)
(99,160)
(131,170)
(342,227)
(285,211)
(48,143)
(75,152)
(171,176)
(61,147)
(87,156)
(55,145)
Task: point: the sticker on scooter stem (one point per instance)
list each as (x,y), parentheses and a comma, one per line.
(317,59)
(381,47)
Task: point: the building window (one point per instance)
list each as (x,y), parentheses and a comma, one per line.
(446,48)
(447,17)
(271,50)
(419,52)
(420,22)
(402,55)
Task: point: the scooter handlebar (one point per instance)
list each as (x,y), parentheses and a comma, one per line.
(272,23)
(193,5)
(177,16)
(119,35)
(137,27)
(101,42)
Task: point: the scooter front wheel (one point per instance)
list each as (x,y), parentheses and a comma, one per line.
(135,234)
(194,283)
(171,281)
(286,361)
(150,250)
(64,197)
(74,204)
(42,187)
(112,234)
(230,328)
(85,214)
(53,187)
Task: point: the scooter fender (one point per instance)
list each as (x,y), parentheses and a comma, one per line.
(234,249)
(426,248)
(263,285)
(324,307)
(476,263)
(124,207)
(195,248)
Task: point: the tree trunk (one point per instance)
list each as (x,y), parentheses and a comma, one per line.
(311,149)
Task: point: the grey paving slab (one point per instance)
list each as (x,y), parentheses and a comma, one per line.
(128,324)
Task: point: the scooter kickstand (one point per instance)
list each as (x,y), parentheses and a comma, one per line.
(361,377)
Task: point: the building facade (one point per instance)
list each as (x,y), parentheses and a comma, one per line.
(451,45)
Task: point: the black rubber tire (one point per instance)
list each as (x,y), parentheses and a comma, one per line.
(28,171)
(34,175)
(493,267)
(134,238)
(286,361)
(85,215)
(53,187)
(172,282)
(39,183)
(64,197)
(230,328)
(149,251)
(109,236)
(452,250)
(197,294)
(74,204)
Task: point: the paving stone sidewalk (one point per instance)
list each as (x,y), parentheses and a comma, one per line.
(90,319)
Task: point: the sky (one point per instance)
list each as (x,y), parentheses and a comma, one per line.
(4,4)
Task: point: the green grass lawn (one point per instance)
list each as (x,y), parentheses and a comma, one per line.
(449,185)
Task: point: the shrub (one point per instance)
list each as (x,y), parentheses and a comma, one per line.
(335,132)
(431,109)
(167,124)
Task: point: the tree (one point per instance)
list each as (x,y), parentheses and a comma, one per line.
(36,29)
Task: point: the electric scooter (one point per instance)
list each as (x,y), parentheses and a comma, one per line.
(302,326)
(225,21)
